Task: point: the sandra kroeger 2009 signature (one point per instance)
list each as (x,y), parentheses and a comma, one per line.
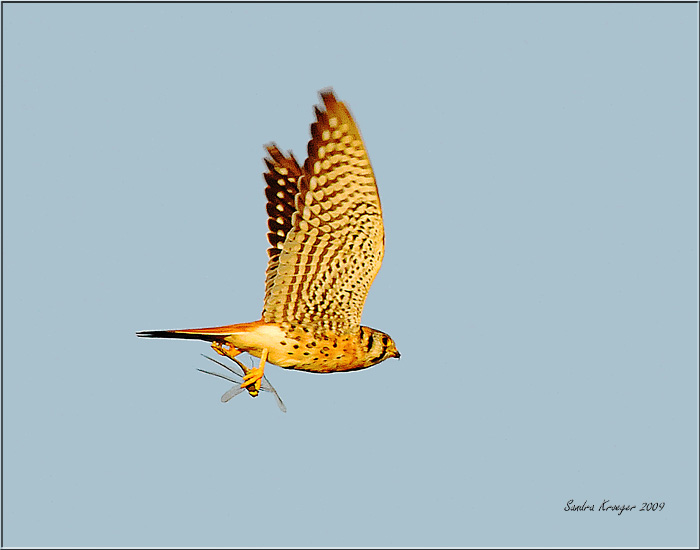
(607,507)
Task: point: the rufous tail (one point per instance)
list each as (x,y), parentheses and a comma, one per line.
(207,334)
(210,334)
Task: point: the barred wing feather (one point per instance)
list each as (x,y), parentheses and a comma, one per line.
(334,241)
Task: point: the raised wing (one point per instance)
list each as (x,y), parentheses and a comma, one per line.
(282,179)
(334,246)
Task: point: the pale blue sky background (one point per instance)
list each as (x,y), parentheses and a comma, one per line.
(537,168)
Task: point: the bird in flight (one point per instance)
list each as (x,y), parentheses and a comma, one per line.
(326,247)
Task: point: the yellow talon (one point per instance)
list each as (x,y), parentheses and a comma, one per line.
(253,377)
(252,380)
(227,350)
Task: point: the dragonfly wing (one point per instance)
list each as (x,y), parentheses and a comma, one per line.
(237,379)
(270,388)
(230,394)
(224,376)
(227,367)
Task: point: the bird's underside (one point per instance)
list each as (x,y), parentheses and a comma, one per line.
(291,348)
(327,244)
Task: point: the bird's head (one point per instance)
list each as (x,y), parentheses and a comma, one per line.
(379,346)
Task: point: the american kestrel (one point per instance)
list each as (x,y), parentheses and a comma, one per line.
(327,243)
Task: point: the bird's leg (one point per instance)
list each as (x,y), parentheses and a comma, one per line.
(251,381)
(227,350)
(253,377)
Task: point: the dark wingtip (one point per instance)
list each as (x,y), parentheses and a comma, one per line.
(328,97)
(326,92)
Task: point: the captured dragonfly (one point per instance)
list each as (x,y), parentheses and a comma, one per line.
(236,389)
